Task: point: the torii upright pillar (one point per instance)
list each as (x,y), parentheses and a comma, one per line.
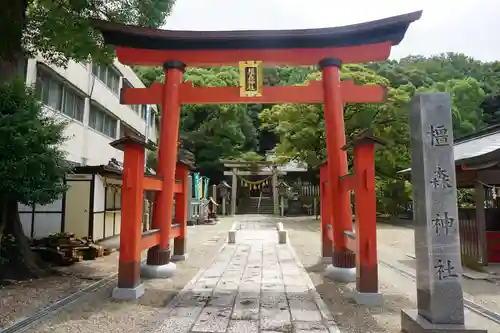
(326,216)
(158,261)
(343,260)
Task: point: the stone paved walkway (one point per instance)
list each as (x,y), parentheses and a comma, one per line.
(255,285)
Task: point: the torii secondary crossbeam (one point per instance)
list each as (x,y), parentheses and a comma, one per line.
(312,93)
(328,48)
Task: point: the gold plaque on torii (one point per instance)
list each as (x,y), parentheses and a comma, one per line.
(251,78)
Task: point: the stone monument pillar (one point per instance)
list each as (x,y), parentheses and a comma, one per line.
(440,298)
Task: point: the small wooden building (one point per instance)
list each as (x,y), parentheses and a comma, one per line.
(92,205)
(90,208)
(477,160)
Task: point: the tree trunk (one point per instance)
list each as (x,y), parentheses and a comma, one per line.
(12,24)
(9,69)
(26,264)
(3,221)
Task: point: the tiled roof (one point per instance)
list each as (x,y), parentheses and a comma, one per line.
(291,166)
(475,145)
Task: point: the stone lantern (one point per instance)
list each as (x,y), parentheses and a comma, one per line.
(224,193)
(283,189)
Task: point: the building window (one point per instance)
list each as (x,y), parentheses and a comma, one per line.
(143,115)
(102,121)
(108,75)
(126,130)
(136,107)
(144,111)
(122,130)
(152,120)
(113,198)
(53,93)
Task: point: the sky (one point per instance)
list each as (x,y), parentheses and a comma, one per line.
(465,26)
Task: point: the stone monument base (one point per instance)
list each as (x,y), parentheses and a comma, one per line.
(341,274)
(412,322)
(179,257)
(158,271)
(128,294)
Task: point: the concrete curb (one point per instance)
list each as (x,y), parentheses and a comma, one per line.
(231,234)
(282,233)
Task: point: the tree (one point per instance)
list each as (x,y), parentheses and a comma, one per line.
(60,30)
(213,132)
(32,168)
(467,96)
(301,127)
(297,131)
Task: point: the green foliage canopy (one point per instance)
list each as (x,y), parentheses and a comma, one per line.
(32,166)
(223,131)
(59,30)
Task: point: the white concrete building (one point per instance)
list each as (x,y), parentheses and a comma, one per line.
(86,95)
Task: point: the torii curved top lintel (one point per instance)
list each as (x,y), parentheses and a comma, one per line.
(177,44)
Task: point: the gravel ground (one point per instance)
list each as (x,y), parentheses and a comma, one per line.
(97,312)
(399,292)
(394,245)
(23,299)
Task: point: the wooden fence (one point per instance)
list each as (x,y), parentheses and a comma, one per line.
(469,234)
(308,190)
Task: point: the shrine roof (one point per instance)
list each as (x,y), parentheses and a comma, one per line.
(114,169)
(480,147)
(391,29)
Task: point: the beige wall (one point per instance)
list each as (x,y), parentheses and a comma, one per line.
(48,219)
(78,207)
(106,223)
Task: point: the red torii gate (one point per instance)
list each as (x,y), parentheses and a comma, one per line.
(174,50)
(362,243)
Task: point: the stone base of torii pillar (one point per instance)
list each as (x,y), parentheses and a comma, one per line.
(158,271)
(341,274)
